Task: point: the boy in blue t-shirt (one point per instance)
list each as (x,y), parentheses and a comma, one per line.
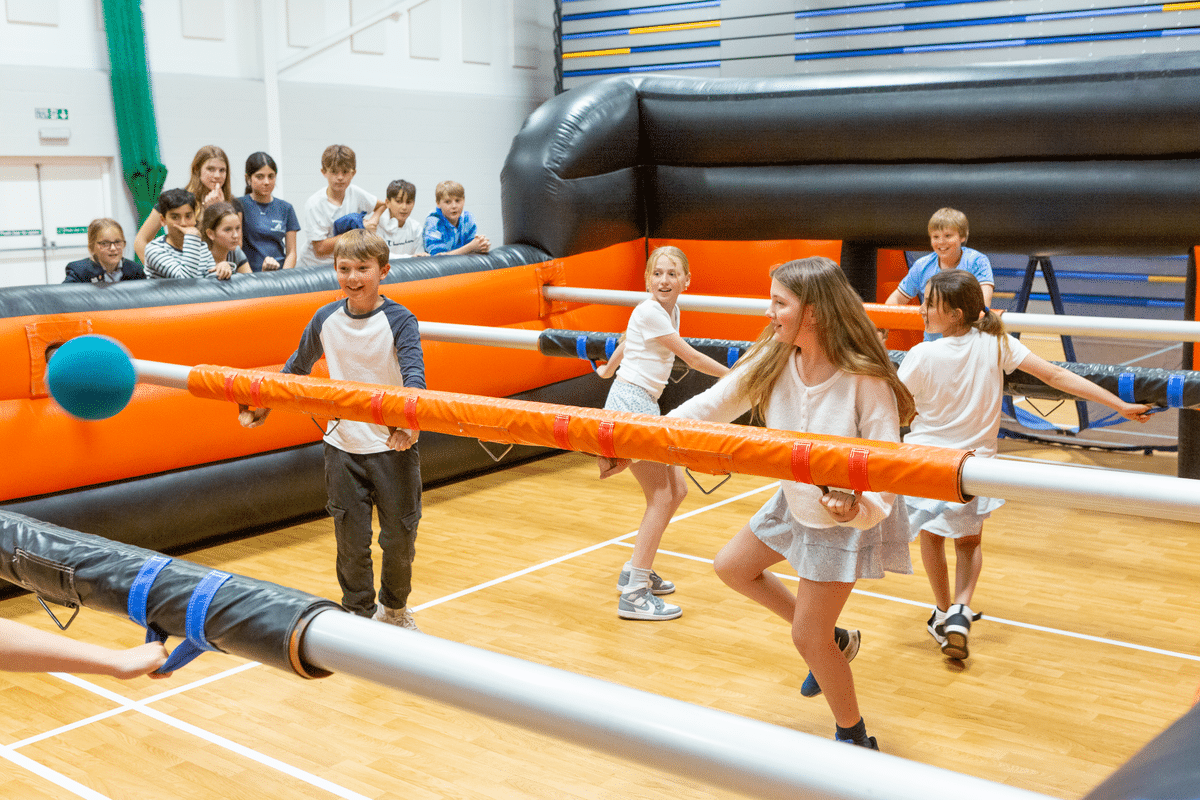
(947,235)
(449,230)
(370,339)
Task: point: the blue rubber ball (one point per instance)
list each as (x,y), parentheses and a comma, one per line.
(91,377)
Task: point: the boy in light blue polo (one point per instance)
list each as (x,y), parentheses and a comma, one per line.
(947,235)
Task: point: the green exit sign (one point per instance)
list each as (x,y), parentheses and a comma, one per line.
(78,229)
(51,113)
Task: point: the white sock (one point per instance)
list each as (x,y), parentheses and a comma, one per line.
(638,578)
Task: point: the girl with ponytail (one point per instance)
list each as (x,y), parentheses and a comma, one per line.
(957,382)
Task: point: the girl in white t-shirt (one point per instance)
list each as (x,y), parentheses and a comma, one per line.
(957,382)
(818,367)
(642,363)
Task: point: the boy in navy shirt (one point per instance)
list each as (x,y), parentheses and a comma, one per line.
(372,339)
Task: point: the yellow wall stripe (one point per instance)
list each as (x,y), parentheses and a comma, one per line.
(1181,6)
(1166,278)
(616,51)
(682,26)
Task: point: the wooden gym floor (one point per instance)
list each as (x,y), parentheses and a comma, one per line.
(1090,646)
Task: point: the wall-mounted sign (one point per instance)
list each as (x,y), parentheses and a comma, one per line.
(51,113)
(30,232)
(79,229)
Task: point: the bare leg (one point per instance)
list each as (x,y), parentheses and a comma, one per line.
(742,564)
(968,563)
(818,606)
(665,491)
(933,555)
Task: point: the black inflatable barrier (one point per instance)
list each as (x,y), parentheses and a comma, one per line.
(1089,156)
(250,618)
(21,301)
(1156,387)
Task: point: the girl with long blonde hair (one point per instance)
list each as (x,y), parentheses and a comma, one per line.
(818,367)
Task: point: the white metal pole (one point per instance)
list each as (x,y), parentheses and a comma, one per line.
(733,752)
(1151,329)
(1117,492)
(514,338)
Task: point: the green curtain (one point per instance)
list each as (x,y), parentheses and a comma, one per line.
(133,103)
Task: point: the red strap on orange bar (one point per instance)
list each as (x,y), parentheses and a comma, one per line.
(377,407)
(857,461)
(605,439)
(410,413)
(800,468)
(229,388)
(255,392)
(561,437)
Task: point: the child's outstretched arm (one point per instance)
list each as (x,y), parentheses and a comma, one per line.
(609,368)
(693,357)
(27,649)
(1067,381)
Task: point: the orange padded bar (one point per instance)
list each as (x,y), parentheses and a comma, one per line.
(705,446)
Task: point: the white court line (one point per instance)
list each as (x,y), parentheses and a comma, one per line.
(141,706)
(57,778)
(990,618)
(616,540)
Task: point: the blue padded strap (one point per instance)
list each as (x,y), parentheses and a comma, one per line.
(1125,386)
(197,615)
(610,346)
(139,592)
(581,347)
(1175,391)
(732,355)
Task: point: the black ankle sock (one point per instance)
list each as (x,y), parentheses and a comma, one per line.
(856,733)
(841,636)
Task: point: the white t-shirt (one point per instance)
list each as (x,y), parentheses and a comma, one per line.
(647,361)
(845,404)
(403,240)
(957,384)
(319,214)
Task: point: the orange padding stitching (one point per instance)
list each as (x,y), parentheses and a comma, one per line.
(859,479)
(900,468)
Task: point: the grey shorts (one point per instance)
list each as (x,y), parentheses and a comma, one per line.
(625,396)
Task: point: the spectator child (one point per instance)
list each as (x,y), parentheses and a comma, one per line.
(338,199)
(367,338)
(403,234)
(269,224)
(449,229)
(180,252)
(221,230)
(957,382)
(947,234)
(209,183)
(106,243)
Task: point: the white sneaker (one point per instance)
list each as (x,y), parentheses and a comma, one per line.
(400,617)
(642,604)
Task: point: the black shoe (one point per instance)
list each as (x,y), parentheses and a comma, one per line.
(870,742)
(957,630)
